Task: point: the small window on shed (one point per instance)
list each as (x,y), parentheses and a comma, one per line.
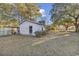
(42,28)
(30,29)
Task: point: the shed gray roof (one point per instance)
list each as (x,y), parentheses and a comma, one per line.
(31,22)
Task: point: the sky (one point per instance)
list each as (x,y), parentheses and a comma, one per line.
(45,9)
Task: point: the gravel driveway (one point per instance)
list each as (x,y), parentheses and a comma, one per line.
(54,44)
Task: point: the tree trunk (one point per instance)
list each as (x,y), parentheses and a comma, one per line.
(66,27)
(76,28)
(76,25)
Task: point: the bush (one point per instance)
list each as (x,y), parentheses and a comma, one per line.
(40,33)
(43,33)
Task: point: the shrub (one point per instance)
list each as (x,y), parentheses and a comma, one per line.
(43,33)
(40,33)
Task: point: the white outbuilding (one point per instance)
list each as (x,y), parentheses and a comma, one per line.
(30,27)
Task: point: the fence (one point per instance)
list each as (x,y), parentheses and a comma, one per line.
(5,31)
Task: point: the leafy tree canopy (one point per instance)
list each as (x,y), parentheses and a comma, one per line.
(23,9)
(63,10)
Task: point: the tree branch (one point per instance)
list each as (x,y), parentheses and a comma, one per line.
(71,15)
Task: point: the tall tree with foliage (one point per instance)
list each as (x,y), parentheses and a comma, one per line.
(13,13)
(61,10)
(28,10)
(67,22)
(25,10)
(5,10)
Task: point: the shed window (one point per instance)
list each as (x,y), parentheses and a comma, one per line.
(42,28)
(30,29)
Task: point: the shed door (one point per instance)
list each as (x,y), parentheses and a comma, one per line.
(30,29)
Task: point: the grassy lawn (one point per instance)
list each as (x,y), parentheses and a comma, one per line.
(52,44)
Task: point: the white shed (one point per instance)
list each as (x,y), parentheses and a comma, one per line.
(30,27)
